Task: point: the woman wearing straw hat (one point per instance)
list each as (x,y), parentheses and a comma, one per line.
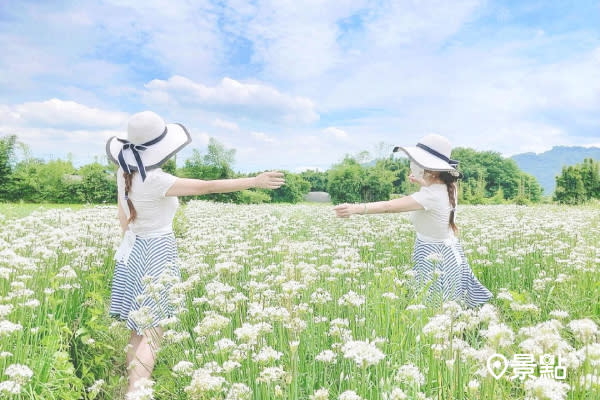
(146,267)
(438,255)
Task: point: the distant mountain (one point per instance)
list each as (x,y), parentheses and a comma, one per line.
(545,166)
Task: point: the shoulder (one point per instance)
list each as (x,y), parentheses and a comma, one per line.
(429,196)
(161,180)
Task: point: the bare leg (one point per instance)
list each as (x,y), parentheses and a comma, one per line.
(134,342)
(142,355)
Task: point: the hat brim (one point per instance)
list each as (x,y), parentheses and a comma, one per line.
(176,138)
(424,159)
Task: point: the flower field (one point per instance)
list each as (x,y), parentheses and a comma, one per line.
(289,302)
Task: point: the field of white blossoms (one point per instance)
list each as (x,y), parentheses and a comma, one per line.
(286,301)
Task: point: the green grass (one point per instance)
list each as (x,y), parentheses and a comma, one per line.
(20,210)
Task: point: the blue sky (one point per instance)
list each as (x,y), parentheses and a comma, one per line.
(298,84)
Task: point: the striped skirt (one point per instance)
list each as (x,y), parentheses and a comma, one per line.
(443,268)
(143,281)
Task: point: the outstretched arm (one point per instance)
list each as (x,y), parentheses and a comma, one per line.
(193,187)
(406,203)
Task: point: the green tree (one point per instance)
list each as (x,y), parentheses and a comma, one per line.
(400,169)
(293,191)
(345,181)
(350,182)
(215,164)
(569,186)
(486,172)
(578,183)
(97,184)
(36,181)
(317,180)
(170,166)
(7,161)
(590,175)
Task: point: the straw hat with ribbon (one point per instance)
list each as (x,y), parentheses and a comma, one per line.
(150,143)
(431,153)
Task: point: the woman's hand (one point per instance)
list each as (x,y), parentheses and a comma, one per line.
(269,180)
(345,210)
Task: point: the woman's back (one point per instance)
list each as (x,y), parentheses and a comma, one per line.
(432,222)
(155,211)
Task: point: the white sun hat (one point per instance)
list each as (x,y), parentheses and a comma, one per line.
(431,153)
(149,143)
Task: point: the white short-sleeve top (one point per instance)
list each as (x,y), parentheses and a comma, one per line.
(432,223)
(155,211)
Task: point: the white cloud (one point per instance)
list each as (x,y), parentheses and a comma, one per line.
(406,22)
(60,113)
(263,137)
(253,100)
(227,125)
(292,40)
(336,132)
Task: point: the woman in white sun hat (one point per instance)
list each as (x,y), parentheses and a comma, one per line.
(439,260)
(146,262)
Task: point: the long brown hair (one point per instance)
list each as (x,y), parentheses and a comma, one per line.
(132,212)
(451,185)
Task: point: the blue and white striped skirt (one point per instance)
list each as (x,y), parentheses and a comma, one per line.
(443,267)
(143,281)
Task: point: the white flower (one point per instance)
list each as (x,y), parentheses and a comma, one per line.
(320,296)
(349,395)
(184,368)
(10,387)
(5,309)
(271,375)
(584,329)
(211,324)
(473,386)
(203,382)
(143,390)
(438,326)
(230,365)
(560,314)
(410,375)
(19,373)
(249,333)
(320,394)
(326,356)
(223,345)
(142,317)
(351,299)
(239,391)
(362,353)
(545,389)
(590,382)
(396,394)
(266,355)
(524,307)
(591,353)
(7,327)
(498,335)
(96,387)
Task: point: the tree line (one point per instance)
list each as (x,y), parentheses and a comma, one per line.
(487,178)
(578,183)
